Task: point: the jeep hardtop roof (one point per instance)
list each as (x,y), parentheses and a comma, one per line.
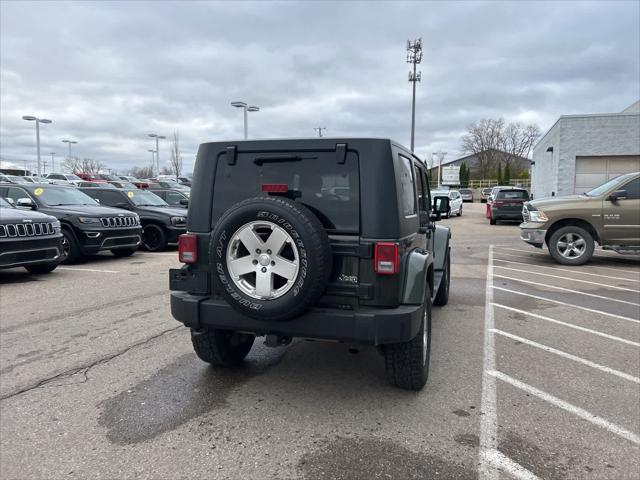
(377,165)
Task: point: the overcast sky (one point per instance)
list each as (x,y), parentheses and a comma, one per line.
(108,74)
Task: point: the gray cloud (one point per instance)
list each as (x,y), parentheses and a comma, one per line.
(109,73)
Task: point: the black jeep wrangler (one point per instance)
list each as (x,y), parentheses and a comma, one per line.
(322,239)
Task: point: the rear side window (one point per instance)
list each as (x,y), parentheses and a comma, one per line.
(513,195)
(407,185)
(330,189)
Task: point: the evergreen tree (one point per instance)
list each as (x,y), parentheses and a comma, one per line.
(507,174)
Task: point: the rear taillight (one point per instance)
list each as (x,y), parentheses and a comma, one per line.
(275,187)
(188,248)
(498,202)
(386,258)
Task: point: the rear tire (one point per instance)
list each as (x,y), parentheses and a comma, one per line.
(407,363)
(124,252)
(442,297)
(560,242)
(41,268)
(460,211)
(221,347)
(492,221)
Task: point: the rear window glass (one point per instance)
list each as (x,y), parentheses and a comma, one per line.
(465,190)
(330,189)
(513,195)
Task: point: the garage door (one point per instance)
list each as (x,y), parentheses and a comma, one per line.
(594,171)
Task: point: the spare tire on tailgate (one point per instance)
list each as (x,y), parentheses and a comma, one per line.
(271,258)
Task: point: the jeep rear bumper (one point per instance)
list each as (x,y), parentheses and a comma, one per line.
(371,326)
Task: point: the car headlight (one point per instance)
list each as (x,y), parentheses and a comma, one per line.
(88,220)
(178,220)
(537,216)
(56,226)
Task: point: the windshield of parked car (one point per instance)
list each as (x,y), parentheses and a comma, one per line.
(61,196)
(5,204)
(142,198)
(75,178)
(513,195)
(607,186)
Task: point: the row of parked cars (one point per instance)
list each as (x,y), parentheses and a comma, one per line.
(45,224)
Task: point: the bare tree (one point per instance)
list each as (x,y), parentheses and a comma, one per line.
(142,172)
(84,165)
(176,156)
(494,142)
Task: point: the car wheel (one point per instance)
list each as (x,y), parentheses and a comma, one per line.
(70,250)
(449,212)
(460,211)
(272,258)
(442,297)
(124,252)
(492,221)
(41,268)
(571,245)
(221,347)
(407,363)
(153,238)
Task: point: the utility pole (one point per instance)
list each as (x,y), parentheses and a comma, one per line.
(319,130)
(440,156)
(44,166)
(414,56)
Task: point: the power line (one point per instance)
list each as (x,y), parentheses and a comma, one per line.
(414,56)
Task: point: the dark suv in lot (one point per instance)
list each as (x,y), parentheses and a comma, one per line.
(161,223)
(29,239)
(87,227)
(507,204)
(329,239)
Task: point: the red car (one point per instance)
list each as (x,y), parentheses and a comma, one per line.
(91,178)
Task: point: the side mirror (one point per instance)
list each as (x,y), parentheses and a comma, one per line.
(26,203)
(618,195)
(440,204)
(184,202)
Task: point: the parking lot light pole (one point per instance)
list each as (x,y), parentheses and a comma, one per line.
(69,142)
(157,137)
(153,158)
(246,108)
(31,118)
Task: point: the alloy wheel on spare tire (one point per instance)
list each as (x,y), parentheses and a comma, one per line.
(271,256)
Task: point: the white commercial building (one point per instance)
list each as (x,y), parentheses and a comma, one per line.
(580,152)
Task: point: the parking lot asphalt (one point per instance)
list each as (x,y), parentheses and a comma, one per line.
(534,374)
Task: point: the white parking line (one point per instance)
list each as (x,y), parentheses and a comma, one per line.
(488,420)
(568,290)
(499,460)
(586,309)
(582,267)
(570,325)
(87,270)
(597,253)
(570,279)
(590,417)
(575,358)
(574,271)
